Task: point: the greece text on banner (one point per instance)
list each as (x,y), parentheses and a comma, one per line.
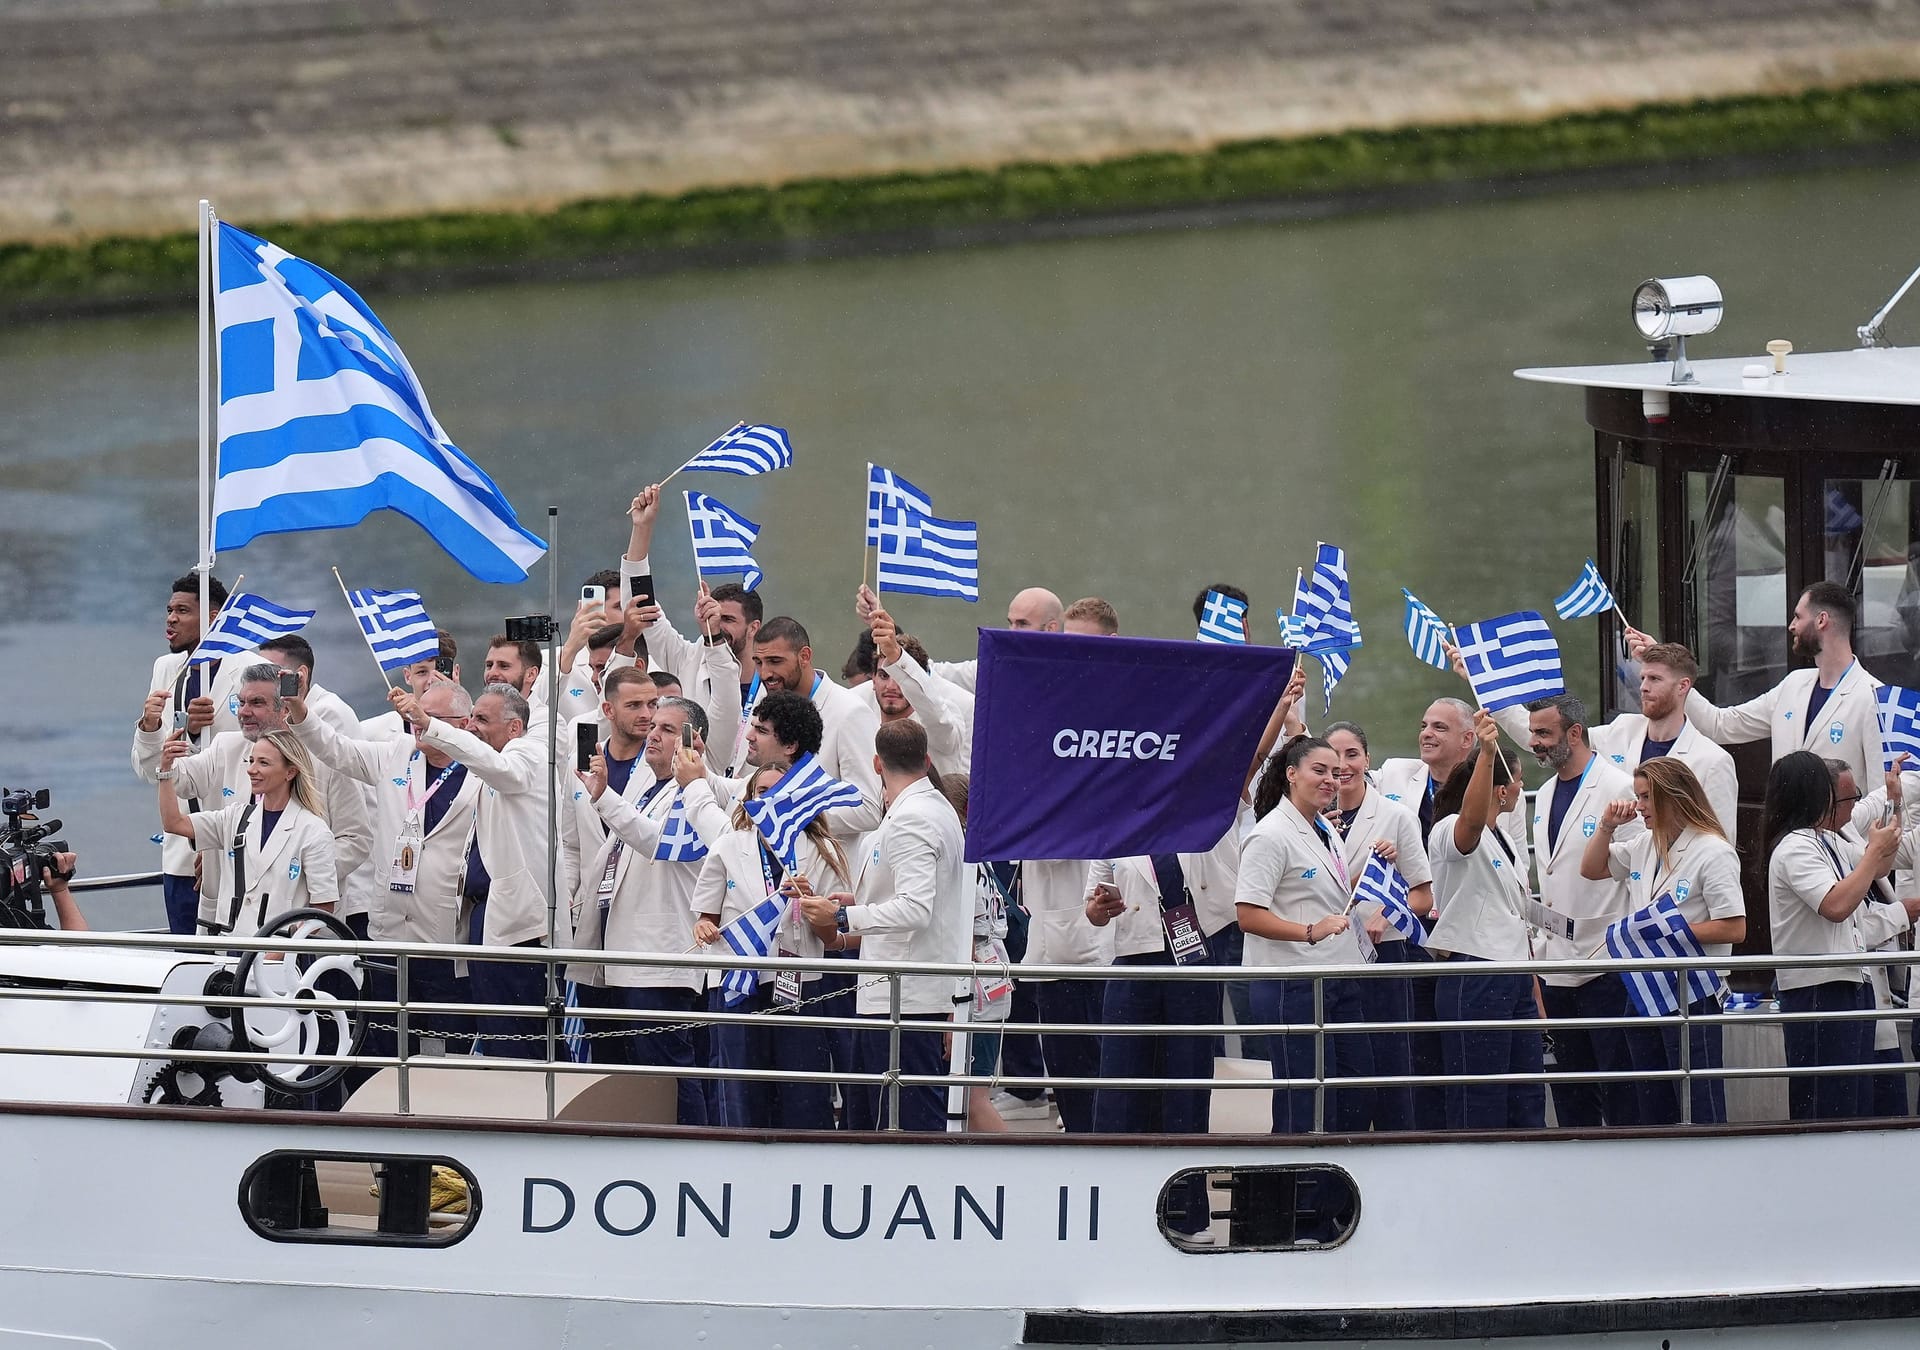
(1109,747)
(322,421)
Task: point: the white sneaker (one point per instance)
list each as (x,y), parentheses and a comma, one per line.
(1011,1107)
(1203,1239)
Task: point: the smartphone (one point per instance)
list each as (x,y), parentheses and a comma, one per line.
(179,719)
(444,664)
(289,684)
(686,735)
(586,743)
(1886,814)
(593,595)
(641,585)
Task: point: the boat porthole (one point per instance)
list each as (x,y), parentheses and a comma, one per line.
(1293,1207)
(361,1199)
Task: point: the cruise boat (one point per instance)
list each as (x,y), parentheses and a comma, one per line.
(160,1194)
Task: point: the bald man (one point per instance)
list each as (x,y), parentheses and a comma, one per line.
(1035,609)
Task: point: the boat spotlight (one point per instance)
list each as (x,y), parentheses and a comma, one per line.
(1669,310)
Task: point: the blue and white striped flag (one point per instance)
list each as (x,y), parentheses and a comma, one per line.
(1587,596)
(721,540)
(784,810)
(1381,881)
(1660,930)
(396,625)
(922,555)
(1426,632)
(752,934)
(1899,711)
(1511,660)
(1222,619)
(1325,608)
(679,841)
(1333,669)
(887,488)
(322,421)
(244,623)
(1293,628)
(745,450)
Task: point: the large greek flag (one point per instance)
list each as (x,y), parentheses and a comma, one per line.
(784,810)
(396,626)
(1899,724)
(923,555)
(1426,632)
(322,420)
(1587,596)
(887,488)
(1511,660)
(745,450)
(722,538)
(752,934)
(1660,930)
(245,622)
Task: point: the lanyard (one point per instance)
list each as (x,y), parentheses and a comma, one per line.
(413,807)
(1839,869)
(748,704)
(814,692)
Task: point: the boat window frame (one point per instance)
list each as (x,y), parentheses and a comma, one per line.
(335,1237)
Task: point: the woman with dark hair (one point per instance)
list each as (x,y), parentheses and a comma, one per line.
(1681,854)
(1816,879)
(1480,888)
(1292,899)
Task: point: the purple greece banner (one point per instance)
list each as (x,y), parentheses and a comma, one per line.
(1109,747)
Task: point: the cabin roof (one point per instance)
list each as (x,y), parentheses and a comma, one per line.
(1886,375)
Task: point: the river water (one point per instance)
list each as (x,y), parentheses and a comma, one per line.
(1132,417)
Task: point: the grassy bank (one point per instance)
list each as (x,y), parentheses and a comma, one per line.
(377,253)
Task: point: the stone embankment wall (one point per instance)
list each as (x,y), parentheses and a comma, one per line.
(115,115)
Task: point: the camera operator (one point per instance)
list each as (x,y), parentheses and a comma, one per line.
(66,910)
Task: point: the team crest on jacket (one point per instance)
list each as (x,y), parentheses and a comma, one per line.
(293,870)
(1310,874)
(400,782)
(1834,733)
(1619,759)
(1588,826)
(226,792)
(1682,889)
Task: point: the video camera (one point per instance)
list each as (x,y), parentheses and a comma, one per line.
(24,851)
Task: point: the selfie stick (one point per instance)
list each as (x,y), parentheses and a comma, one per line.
(363,631)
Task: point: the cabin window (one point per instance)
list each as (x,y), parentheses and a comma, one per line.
(1636,569)
(1869,543)
(375,1200)
(1300,1207)
(1736,594)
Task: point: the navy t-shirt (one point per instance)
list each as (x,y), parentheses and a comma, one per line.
(1564,791)
(1652,749)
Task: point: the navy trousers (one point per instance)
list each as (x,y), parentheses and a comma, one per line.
(523,983)
(1171,1110)
(771,1044)
(1657,1048)
(648,1043)
(1069,1054)
(922,1109)
(1429,1103)
(1348,1110)
(1467,997)
(1228,948)
(1890,1089)
(1832,1096)
(183,905)
(1595,1050)
(427,982)
(1020,1055)
(1391,1000)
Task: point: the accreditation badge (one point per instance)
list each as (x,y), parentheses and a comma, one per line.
(786,985)
(1184,938)
(406,863)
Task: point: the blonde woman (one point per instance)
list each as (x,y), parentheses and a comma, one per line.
(280,848)
(1683,854)
(740,872)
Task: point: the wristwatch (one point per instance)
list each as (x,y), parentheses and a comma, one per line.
(840,918)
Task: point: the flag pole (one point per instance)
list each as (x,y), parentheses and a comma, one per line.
(701,451)
(205,540)
(363,631)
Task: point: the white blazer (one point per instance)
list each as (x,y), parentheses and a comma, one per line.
(846,751)
(914,900)
(292,869)
(1286,870)
(1054,892)
(1592,904)
(1380,819)
(1621,739)
(510,827)
(732,881)
(1405,781)
(651,908)
(1848,727)
(217,776)
(176,853)
(1799,875)
(943,708)
(708,672)
(582,831)
(431,912)
(1211,877)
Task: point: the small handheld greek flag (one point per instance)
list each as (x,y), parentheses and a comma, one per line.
(722,538)
(1222,619)
(1511,660)
(244,623)
(1587,596)
(1659,930)
(679,841)
(790,805)
(1899,711)
(921,555)
(1333,669)
(1325,608)
(745,450)
(1426,632)
(887,488)
(396,626)
(752,934)
(1381,881)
